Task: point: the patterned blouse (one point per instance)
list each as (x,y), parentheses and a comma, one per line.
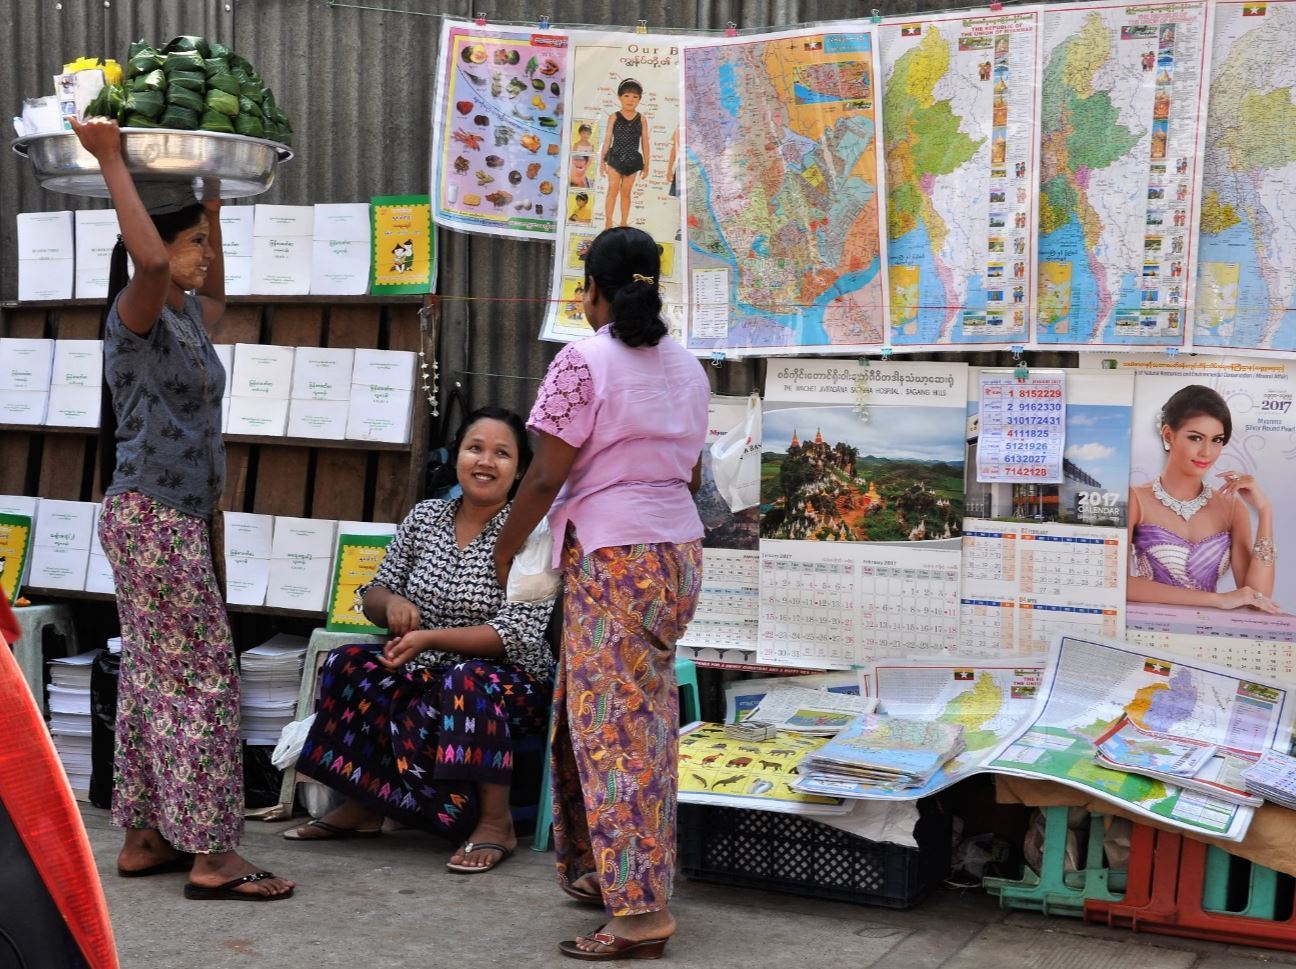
(454,588)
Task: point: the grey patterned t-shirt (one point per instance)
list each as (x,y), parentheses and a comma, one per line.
(166,392)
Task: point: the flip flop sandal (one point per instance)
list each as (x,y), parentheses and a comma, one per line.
(331,832)
(182,862)
(614,947)
(584,897)
(227,892)
(468,847)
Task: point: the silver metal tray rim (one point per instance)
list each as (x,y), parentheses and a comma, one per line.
(283,153)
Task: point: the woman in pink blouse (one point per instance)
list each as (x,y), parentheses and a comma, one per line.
(621,420)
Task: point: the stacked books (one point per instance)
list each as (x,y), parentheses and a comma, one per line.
(270,678)
(881,753)
(1273,777)
(818,713)
(69,708)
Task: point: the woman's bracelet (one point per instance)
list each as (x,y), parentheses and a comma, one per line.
(1264,551)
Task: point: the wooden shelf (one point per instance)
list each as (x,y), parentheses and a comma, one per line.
(236,300)
(345,444)
(105,597)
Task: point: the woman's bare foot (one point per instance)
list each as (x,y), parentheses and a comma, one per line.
(348,816)
(632,928)
(489,830)
(145,848)
(212,871)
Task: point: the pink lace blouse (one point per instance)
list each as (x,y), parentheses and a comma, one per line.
(638,416)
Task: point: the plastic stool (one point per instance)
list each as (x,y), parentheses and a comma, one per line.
(29,650)
(1055,891)
(322,642)
(686,680)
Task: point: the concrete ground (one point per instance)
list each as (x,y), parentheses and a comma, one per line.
(390,902)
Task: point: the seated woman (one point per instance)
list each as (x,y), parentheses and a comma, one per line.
(421,731)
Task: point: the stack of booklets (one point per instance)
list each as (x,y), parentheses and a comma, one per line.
(882,753)
(1273,777)
(1183,761)
(69,723)
(815,712)
(270,679)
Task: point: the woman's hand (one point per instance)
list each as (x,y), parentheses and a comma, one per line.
(503,564)
(1245,487)
(402,616)
(212,207)
(1247,597)
(402,649)
(99,136)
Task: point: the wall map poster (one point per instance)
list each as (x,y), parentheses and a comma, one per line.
(784,210)
(496,140)
(1123,125)
(960,116)
(1246,290)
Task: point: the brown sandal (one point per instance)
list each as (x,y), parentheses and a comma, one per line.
(614,947)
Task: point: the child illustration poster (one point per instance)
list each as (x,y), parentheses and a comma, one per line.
(357,561)
(621,116)
(15,540)
(404,246)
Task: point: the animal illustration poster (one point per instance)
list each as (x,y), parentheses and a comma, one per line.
(404,245)
(497,130)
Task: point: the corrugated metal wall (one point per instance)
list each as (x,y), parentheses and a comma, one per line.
(358,84)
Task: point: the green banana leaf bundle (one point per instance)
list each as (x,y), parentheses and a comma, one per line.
(226,82)
(138,121)
(193,80)
(186,119)
(146,60)
(219,50)
(226,104)
(250,125)
(147,103)
(184,98)
(188,60)
(154,80)
(215,65)
(108,103)
(215,121)
(186,43)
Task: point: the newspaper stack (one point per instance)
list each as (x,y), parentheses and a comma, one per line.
(69,723)
(1273,777)
(878,752)
(270,679)
(814,712)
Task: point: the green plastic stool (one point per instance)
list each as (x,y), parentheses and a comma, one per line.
(1262,886)
(1055,891)
(686,680)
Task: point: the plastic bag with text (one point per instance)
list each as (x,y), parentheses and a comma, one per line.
(736,458)
(533,577)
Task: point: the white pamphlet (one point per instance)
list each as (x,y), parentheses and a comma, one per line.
(73,406)
(340,267)
(236,231)
(257,417)
(322,373)
(385,368)
(261,371)
(379,415)
(322,419)
(281,265)
(77,363)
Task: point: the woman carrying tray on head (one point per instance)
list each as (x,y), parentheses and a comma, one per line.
(1185,533)
(178,777)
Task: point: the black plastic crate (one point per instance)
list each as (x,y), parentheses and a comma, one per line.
(790,853)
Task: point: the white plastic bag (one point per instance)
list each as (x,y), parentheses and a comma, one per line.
(532,577)
(291,740)
(736,458)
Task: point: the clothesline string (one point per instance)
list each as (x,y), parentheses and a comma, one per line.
(683,31)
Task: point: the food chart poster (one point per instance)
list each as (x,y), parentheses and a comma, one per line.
(496,134)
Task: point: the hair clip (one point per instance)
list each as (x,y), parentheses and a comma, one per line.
(640,278)
(731,29)
(480,20)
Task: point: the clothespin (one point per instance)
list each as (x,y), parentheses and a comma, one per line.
(1020,369)
(863,361)
(480,20)
(641,27)
(996,7)
(543,22)
(1172,351)
(731,29)
(717,358)
(886,353)
(877,16)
